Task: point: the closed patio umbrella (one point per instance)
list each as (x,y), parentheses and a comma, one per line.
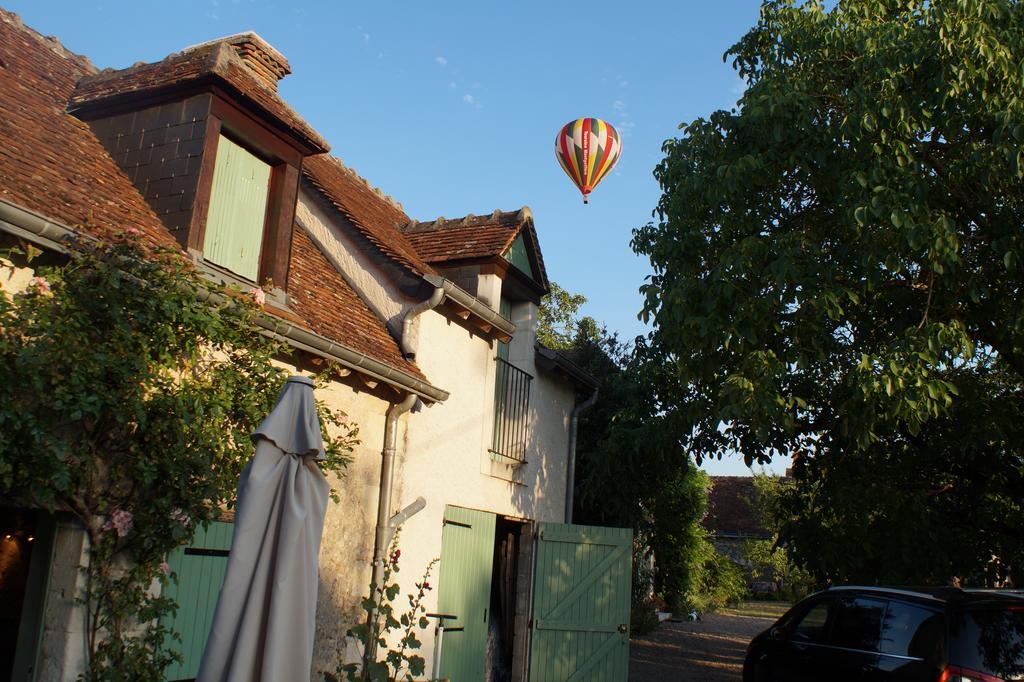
(266,614)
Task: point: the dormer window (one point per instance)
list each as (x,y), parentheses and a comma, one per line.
(238,210)
(213,150)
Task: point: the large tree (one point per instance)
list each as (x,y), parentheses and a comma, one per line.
(839,259)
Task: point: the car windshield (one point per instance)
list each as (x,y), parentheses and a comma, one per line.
(990,640)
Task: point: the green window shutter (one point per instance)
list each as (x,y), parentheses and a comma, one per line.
(582,586)
(238,207)
(505,310)
(464,590)
(200,566)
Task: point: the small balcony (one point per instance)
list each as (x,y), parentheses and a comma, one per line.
(511,413)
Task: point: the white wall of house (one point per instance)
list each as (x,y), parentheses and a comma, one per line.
(443,457)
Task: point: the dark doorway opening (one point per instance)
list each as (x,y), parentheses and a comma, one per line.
(505,585)
(26,541)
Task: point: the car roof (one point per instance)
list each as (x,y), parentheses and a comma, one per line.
(962,596)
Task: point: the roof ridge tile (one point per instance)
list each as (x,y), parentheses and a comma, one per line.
(50,42)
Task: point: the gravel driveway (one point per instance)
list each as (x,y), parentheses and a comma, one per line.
(710,650)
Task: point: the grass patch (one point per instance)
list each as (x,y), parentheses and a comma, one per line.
(757,609)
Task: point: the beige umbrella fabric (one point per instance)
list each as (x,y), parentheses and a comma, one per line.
(266,614)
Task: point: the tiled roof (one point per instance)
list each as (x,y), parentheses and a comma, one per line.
(331,308)
(374,215)
(216,61)
(447,240)
(50,162)
(729,507)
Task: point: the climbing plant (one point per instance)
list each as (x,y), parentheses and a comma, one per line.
(132,388)
(385,658)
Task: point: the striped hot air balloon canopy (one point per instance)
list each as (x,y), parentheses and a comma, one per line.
(587,148)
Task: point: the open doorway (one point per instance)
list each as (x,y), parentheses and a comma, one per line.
(26,543)
(506,602)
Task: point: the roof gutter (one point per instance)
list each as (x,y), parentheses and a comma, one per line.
(51,235)
(33,227)
(458,295)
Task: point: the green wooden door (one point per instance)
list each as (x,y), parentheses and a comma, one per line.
(464,589)
(200,566)
(581,604)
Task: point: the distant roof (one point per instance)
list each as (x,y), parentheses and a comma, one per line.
(446,241)
(552,359)
(729,509)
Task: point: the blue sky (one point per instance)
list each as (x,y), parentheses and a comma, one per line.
(452,107)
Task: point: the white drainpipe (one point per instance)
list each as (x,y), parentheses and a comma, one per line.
(385,530)
(407,345)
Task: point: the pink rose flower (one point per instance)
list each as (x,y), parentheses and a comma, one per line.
(258,295)
(42,286)
(120,522)
(165,568)
(179,516)
(133,231)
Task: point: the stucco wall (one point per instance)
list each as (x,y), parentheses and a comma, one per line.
(347,546)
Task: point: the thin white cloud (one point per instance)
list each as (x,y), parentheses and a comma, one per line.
(366,38)
(471,101)
(619,105)
(441,60)
(452,85)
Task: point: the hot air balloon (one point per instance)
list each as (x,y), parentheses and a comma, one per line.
(587,148)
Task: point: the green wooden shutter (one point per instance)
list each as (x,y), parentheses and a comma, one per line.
(581,604)
(520,258)
(238,208)
(464,589)
(200,566)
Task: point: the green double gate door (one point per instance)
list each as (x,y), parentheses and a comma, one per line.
(200,566)
(580,599)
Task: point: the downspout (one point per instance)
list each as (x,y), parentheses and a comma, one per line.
(570,475)
(384,531)
(407,345)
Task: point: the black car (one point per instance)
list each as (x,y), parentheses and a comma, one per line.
(876,633)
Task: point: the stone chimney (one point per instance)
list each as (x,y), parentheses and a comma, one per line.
(268,64)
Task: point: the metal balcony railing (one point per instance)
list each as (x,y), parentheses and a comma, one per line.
(511,411)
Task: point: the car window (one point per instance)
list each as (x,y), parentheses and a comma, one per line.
(811,627)
(989,640)
(913,631)
(858,623)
